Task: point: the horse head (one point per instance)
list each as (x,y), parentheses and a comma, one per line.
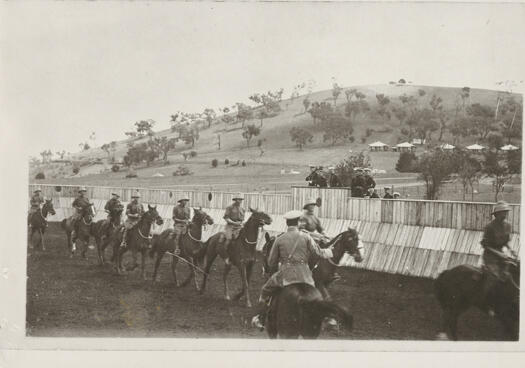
(260,217)
(351,244)
(152,215)
(48,208)
(201,217)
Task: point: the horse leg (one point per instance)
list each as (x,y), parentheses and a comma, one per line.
(194,275)
(208,260)
(42,245)
(249,268)
(134,256)
(160,254)
(324,291)
(450,323)
(242,271)
(174,261)
(143,263)
(227,268)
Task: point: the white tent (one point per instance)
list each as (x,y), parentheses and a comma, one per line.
(509,147)
(476,147)
(405,147)
(447,146)
(378,146)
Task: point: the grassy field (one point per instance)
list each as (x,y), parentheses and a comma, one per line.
(76,297)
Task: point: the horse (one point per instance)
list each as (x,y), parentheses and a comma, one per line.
(460,288)
(323,269)
(38,222)
(103,230)
(191,246)
(316,179)
(241,253)
(138,240)
(84,230)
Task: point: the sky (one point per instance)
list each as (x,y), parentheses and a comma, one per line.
(70,68)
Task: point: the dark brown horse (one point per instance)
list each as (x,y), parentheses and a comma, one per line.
(191,246)
(138,240)
(84,230)
(323,269)
(298,310)
(103,230)
(461,288)
(241,254)
(38,222)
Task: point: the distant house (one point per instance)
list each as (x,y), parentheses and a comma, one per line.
(419,141)
(447,147)
(476,148)
(405,147)
(509,147)
(378,146)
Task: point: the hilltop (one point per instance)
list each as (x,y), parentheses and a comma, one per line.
(279,150)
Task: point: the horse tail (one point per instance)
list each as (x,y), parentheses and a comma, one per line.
(323,309)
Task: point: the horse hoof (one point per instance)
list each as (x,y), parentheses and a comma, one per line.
(227,297)
(248,305)
(442,336)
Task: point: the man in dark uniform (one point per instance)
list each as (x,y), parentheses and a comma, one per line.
(134,212)
(358,183)
(373,193)
(387,194)
(35,202)
(291,250)
(369,181)
(495,241)
(81,204)
(181,219)
(234,216)
(333,179)
(112,205)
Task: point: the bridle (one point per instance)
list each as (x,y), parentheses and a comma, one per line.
(260,223)
(331,247)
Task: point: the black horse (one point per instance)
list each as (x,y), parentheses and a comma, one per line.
(103,231)
(38,222)
(299,309)
(316,179)
(461,287)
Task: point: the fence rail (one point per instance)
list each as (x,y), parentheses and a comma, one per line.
(410,237)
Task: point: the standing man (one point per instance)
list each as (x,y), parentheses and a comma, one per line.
(495,241)
(310,176)
(292,250)
(80,204)
(234,216)
(333,179)
(387,194)
(181,219)
(134,211)
(373,193)
(35,202)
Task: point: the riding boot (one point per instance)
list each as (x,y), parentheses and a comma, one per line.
(177,245)
(488,284)
(227,243)
(259,320)
(124,236)
(74,233)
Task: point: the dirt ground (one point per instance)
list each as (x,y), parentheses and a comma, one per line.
(76,297)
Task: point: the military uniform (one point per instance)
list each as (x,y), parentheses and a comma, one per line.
(181,218)
(234,213)
(495,236)
(388,196)
(292,250)
(112,206)
(133,212)
(35,202)
(311,223)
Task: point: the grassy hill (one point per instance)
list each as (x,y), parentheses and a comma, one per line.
(279,150)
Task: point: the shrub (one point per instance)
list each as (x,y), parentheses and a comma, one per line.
(115,168)
(369,132)
(76,170)
(351,139)
(214,162)
(243,163)
(226,162)
(363,139)
(182,171)
(131,175)
(193,154)
(407,162)
(40,176)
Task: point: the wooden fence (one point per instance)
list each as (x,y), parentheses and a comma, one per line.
(410,237)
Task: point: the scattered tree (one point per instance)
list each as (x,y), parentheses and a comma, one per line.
(306,104)
(336,128)
(336,91)
(469,172)
(40,176)
(244,112)
(434,168)
(144,127)
(300,136)
(481,118)
(407,162)
(495,141)
(249,132)
(214,163)
(345,169)
(210,115)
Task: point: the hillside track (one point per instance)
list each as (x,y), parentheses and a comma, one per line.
(76,297)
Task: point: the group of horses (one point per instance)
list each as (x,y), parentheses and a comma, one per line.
(298,309)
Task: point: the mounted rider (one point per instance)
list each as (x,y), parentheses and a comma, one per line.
(35,202)
(234,217)
(134,211)
(81,204)
(495,241)
(181,219)
(310,223)
(112,205)
(292,250)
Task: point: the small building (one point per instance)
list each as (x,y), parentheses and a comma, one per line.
(447,147)
(419,141)
(405,147)
(476,148)
(378,146)
(509,147)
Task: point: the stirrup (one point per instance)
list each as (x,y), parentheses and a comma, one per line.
(227,261)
